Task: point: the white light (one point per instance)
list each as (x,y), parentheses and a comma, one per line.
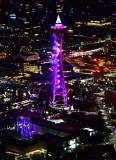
(58,44)
(58,21)
(73,141)
(89,129)
(72,146)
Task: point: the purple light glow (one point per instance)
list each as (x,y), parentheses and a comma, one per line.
(59,89)
(24,126)
(58,50)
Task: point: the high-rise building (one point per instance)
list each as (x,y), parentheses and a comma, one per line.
(59,100)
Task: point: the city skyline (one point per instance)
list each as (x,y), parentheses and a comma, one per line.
(57,79)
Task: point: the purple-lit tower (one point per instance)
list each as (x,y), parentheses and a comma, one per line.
(59,100)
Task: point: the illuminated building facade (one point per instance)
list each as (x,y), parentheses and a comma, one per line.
(59,90)
(24,126)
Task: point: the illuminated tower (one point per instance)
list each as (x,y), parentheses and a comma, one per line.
(59,100)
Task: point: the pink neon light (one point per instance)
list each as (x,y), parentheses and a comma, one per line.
(58,27)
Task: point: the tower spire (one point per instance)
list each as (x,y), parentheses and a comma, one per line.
(58,20)
(58,24)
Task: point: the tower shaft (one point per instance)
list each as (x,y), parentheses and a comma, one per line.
(59,89)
